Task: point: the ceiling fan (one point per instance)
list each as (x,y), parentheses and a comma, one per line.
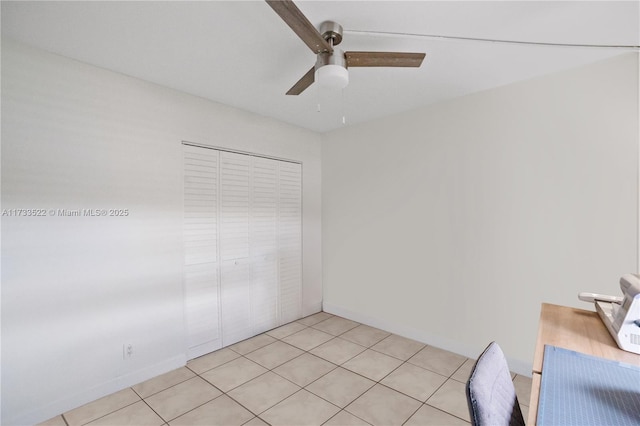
(332,62)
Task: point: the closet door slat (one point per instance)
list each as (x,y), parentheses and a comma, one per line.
(201,250)
(290,241)
(264,244)
(235,179)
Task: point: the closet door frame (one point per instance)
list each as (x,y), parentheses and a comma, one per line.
(281,318)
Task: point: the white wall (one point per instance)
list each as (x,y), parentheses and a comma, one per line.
(452,224)
(74,289)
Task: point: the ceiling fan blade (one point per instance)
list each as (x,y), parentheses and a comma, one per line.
(300,25)
(384,59)
(306,81)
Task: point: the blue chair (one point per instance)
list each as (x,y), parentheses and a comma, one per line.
(490,392)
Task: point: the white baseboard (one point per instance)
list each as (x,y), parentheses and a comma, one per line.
(515,365)
(116,384)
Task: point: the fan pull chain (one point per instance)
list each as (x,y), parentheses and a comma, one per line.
(344,118)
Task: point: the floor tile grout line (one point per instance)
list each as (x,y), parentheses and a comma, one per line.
(240,404)
(448,412)
(64,419)
(271,406)
(380,381)
(235,387)
(110,412)
(306,390)
(254,416)
(461,365)
(360,344)
(337,366)
(349,359)
(300,387)
(209,383)
(335,316)
(403,363)
(395,390)
(307,350)
(436,391)
(158,414)
(424,345)
(253,350)
(413,414)
(277,340)
(341,408)
(325,422)
(403,360)
(432,371)
(371,348)
(168,387)
(263,366)
(348,412)
(304,387)
(188,411)
(342,366)
(318,322)
(212,368)
(402,393)
(283,337)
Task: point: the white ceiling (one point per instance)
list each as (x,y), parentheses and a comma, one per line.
(241,53)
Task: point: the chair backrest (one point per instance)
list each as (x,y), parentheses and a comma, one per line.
(490,392)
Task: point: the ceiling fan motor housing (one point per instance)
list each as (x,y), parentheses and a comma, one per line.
(332,32)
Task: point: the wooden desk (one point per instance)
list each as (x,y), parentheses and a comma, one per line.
(577,330)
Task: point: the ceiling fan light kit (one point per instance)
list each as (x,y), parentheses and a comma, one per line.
(331,70)
(331,65)
(332,76)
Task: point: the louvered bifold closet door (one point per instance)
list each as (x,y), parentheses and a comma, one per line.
(290,240)
(234,247)
(201,250)
(264,244)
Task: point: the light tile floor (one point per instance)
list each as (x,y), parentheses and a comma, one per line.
(319,370)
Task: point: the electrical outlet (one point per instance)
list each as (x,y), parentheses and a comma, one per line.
(127,350)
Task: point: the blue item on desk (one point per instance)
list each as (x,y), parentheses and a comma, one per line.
(580,389)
